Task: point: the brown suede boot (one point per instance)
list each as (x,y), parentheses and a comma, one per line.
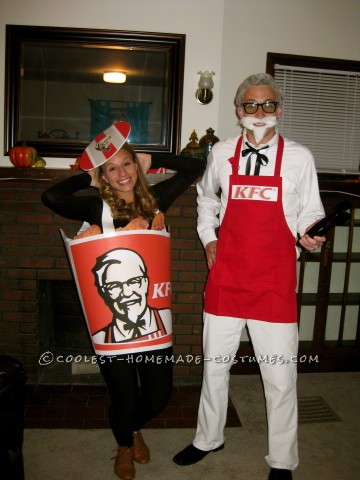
(124,465)
(141,452)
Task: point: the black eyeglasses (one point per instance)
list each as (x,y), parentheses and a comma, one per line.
(134,282)
(252,107)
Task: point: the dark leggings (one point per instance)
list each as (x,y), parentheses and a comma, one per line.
(140,386)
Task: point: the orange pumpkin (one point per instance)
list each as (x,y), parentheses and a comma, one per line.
(23,156)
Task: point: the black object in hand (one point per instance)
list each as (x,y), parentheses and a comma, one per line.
(339,216)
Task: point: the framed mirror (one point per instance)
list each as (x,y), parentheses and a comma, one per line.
(57,101)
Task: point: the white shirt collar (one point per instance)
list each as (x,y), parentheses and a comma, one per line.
(273,141)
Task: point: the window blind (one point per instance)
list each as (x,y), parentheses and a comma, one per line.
(322,111)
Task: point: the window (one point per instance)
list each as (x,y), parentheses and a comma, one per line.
(322,108)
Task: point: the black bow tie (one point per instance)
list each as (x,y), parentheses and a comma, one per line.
(261,159)
(134,328)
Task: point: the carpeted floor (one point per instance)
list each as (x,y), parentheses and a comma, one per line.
(329,449)
(85,406)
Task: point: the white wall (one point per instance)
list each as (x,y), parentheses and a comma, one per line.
(320,28)
(201,21)
(230,37)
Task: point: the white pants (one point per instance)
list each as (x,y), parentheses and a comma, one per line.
(221,339)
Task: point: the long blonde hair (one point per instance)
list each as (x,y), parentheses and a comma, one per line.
(144,204)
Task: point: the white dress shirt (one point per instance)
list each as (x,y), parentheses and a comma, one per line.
(301,198)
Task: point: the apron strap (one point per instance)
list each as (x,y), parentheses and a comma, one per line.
(234,161)
(279,155)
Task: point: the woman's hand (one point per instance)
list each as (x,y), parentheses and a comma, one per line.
(94,178)
(144,160)
(158,222)
(210,251)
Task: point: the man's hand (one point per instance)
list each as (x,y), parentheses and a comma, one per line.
(210,251)
(311,243)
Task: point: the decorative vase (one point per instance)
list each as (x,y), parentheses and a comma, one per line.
(193,149)
(207,141)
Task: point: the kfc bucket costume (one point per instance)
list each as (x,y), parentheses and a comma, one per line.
(123,345)
(108,304)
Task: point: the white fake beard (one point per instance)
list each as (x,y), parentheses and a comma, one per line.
(259,131)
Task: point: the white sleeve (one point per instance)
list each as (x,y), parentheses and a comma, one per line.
(208,202)
(310,206)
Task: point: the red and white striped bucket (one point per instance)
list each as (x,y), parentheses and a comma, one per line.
(124,284)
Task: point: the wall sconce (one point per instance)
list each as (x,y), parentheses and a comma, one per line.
(114,77)
(204,94)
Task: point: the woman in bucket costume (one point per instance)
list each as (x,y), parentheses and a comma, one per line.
(126,201)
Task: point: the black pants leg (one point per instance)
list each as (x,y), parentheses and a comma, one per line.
(140,386)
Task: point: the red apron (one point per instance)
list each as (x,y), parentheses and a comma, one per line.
(254,276)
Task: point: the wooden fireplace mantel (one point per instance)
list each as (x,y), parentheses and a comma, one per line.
(348,183)
(56,174)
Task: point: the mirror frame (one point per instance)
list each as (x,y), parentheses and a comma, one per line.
(16,35)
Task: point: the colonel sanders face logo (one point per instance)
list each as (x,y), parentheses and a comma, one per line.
(121,279)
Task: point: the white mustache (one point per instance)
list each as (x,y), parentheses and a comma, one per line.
(249,122)
(258,130)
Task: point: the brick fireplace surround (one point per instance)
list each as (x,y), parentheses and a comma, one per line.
(31,251)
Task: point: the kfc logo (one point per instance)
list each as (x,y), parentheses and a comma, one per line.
(104,144)
(254,192)
(162,290)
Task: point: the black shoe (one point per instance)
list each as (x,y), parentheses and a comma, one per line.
(280,474)
(191,455)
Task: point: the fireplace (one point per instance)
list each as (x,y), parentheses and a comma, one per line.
(63,336)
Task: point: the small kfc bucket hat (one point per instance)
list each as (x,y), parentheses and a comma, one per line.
(104,146)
